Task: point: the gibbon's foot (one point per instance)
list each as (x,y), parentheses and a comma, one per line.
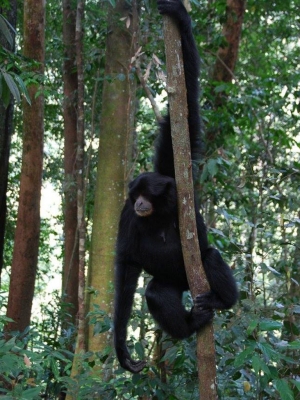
(202,311)
(213,301)
(202,301)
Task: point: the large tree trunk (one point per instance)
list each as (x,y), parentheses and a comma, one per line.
(6,128)
(71,261)
(25,255)
(115,156)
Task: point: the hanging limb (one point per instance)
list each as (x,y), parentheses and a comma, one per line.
(186,209)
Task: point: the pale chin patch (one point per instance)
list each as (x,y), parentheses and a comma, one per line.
(143,213)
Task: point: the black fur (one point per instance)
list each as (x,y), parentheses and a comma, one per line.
(152,242)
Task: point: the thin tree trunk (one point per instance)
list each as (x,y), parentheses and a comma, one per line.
(81,227)
(71,261)
(227,56)
(185,191)
(115,156)
(25,254)
(6,128)
(80,345)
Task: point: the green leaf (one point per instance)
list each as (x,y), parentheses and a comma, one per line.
(54,368)
(268,267)
(170,354)
(33,393)
(221,88)
(4,318)
(59,356)
(252,326)
(270,325)
(243,356)
(8,344)
(294,345)
(12,86)
(139,349)
(204,174)
(6,33)
(296,383)
(284,389)
(273,372)
(256,364)
(23,88)
(268,351)
(259,365)
(5,92)
(212,166)
(9,361)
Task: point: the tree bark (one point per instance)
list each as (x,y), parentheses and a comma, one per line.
(115,156)
(185,193)
(6,128)
(71,260)
(81,227)
(227,56)
(25,254)
(80,345)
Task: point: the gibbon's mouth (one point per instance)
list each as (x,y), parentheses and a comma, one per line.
(143,212)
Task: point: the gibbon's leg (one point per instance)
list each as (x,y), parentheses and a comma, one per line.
(165,304)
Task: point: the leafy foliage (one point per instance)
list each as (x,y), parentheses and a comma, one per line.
(11,82)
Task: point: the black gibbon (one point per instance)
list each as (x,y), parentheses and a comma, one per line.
(148,235)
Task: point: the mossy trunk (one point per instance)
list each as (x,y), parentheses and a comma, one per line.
(115,157)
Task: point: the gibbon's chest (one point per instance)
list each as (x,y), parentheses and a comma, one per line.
(159,253)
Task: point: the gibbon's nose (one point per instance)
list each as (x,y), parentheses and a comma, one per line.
(139,203)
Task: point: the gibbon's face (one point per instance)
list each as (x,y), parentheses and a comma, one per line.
(143,207)
(152,193)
